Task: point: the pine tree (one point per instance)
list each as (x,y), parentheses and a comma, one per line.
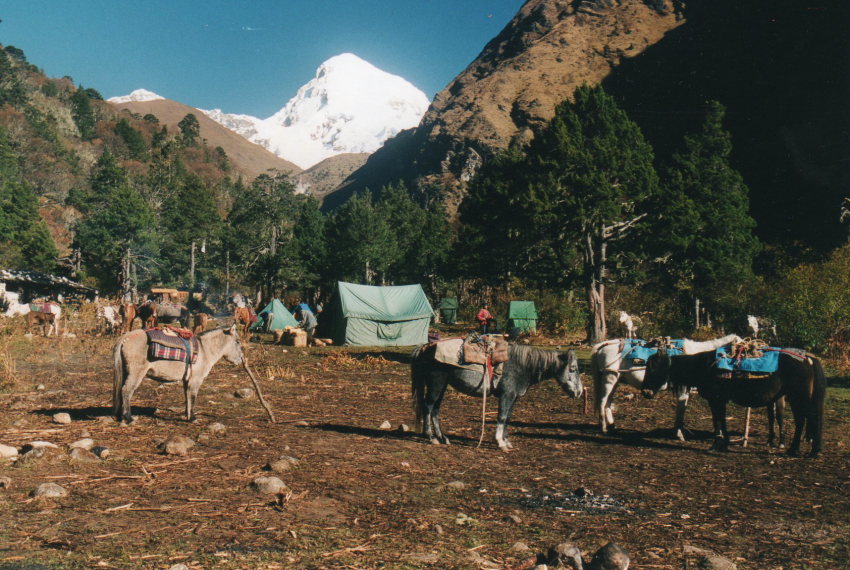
(83,114)
(710,230)
(362,243)
(190,130)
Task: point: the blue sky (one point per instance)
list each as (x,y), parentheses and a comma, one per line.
(246,56)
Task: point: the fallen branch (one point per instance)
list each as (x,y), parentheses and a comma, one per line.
(257,388)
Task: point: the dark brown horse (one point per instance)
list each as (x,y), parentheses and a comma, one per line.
(799,378)
(147,314)
(199,322)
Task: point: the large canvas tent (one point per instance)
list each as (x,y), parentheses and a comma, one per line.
(522,315)
(274,317)
(364,315)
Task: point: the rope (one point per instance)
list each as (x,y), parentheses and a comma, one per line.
(485,383)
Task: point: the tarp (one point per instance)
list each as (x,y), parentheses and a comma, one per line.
(364,315)
(280,318)
(768,363)
(636,349)
(522,315)
(448,310)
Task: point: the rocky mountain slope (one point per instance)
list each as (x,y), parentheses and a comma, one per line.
(350,106)
(547,50)
(249,158)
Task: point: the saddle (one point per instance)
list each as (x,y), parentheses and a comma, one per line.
(168,343)
(485,354)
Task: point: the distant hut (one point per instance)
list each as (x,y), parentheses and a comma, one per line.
(35,285)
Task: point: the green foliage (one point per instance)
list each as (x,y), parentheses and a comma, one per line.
(151,118)
(12,91)
(136,145)
(50,89)
(310,243)
(707,229)
(190,130)
(118,220)
(83,114)
(25,241)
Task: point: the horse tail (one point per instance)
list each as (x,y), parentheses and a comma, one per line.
(417,381)
(117,378)
(596,373)
(814,425)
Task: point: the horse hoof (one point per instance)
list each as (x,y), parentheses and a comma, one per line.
(435,441)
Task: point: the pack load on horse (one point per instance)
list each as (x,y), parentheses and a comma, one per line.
(624,360)
(751,375)
(473,368)
(168,355)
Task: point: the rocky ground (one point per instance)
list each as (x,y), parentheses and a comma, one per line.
(339,482)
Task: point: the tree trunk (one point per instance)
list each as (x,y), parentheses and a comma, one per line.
(595,254)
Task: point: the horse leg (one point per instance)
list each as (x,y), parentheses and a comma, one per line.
(605,388)
(191,389)
(776,418)
(131,382)
(506,405)
(433,399)
(718,419)
(683,394)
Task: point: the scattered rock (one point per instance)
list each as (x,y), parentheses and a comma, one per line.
(50,491)
(301,423)
(269,486)
(516,519)
(5,482)
(520,547)
(244,393)
(41,444)
(31,455)
(439,530)
(179,567)
(283,464)
(85,443)
(583,492)
(463,519)
(566,556)
(105,419)
(62,418)
(541,567)
(176,445)
(690,550)
(217,429)
(386,425)
(101,451)
(610,557)
(40,387)
(7,451)
(456,486)
(404,428)
(714,562)
(85,433)
(80,455)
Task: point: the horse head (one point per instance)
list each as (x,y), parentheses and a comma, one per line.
(568,376)
(657,373)
(233,348)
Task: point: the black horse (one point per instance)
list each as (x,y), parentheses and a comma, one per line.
(799,379)
(525,367)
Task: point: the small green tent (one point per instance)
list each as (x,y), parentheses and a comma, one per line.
(522,315)
(448,310)
(274,317)
(364,315)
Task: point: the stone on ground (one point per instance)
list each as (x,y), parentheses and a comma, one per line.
(244,393)
(714,562)
(101,451)
(85,443)
(610,557)
(176,445)
(50,491)
(80,455)
(5,482)
(283,464)
(217,429)
(62,418)
(269,486)
(7,451)
(565,556)
(386,425)
(456,486)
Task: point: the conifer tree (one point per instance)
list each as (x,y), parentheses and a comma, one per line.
(708,227)
(83,114)
(361,241)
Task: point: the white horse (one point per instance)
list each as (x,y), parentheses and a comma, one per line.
(628,323)
(609,367)
(109,319)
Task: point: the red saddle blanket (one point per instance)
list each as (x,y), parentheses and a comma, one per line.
(171,344)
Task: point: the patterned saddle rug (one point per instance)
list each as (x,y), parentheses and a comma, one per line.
(166,343)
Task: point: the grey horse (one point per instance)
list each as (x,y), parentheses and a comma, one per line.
(525,367)
(131,365)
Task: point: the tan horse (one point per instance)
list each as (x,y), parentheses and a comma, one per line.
(128,315)
(45,321)
(131,365)
(199,322)
(244,317)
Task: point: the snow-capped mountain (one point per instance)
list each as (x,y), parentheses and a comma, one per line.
(138,95)
(350,106)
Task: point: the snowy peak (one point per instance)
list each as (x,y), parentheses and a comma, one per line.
(350,106)
(136,96)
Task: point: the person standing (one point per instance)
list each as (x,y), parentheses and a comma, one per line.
(486,322)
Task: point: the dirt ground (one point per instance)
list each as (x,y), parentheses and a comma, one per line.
(364,497)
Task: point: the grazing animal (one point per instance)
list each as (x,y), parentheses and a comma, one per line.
(199,322)
(109,319)
(43,320)
(609,368)
(132,364)
(526,366)
(244,317)
(127,312)
(14,307)
(147,313)
(799,378)
(628,324)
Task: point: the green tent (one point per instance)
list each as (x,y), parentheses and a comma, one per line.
(364,315)
(448,310)
(275,317)
(522,315)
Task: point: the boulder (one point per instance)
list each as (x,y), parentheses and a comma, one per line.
(565,556)
(283,464)
(715,562)
(7,451)
(62,418)
(85,443)
(101,451)
(217,429)
(80,455)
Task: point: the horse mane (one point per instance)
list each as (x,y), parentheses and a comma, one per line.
(532,358)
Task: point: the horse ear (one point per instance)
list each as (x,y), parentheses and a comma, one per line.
(232,330)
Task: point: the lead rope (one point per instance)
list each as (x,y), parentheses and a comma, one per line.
(486,383)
